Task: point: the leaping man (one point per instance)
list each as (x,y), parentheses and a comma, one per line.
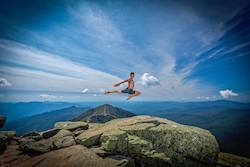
(129,90)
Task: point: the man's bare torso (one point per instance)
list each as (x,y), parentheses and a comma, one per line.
(131,84)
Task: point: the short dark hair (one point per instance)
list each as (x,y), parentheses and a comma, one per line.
(132,73)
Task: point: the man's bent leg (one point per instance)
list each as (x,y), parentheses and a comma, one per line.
(137,93)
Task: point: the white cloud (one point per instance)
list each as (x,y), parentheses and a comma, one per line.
(47,96)
(85,90)
(203,98)
(94,20)
(148,80)
(227,93)
(4,82)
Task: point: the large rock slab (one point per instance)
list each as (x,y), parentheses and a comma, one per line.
(154,141)
(71,125)
(76,156)
(63,138)
(49,133)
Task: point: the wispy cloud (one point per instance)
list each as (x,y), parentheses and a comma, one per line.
(38,70)
(125,53)
(47,96)
(96,21)
(227,93)
(96,45)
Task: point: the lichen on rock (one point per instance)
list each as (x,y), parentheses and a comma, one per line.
(153,139)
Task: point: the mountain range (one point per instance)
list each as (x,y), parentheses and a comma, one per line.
(227,120)
(15,111)
(43,121)
(102,114)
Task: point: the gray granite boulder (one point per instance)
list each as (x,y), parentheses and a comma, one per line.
(63,138)
(71,126)
(154,140)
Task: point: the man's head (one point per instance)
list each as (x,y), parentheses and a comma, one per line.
(132,74)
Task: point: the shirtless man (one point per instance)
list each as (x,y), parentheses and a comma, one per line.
(129,89)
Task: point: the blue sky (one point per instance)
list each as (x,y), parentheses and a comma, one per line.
(74,50)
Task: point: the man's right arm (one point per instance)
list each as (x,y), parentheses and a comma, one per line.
(118,84)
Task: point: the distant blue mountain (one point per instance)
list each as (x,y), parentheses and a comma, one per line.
(15,111)
(102,114)
(43,121)
(152,107)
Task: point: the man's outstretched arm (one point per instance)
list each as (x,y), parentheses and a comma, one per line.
(118,84)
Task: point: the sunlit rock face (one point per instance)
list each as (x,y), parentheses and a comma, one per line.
(154,141)
(133,141)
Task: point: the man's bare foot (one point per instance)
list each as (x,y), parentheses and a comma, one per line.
(107,92)
(129,97)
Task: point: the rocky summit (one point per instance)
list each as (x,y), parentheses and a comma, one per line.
(134,141)
(102,114)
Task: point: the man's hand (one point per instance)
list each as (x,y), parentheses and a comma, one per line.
(118,84)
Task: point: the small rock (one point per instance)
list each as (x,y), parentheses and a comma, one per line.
(230,160)
(9,134)
(121,161)
(6,136)
(33,133)
(49,133)
(99,151)
(31,146)
(78,132)
(3,140)
(2,121)
(89,138)
(71,125)
(63,138)
(37,138)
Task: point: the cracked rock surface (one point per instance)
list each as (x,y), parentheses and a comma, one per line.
(154,141)
(127,142)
